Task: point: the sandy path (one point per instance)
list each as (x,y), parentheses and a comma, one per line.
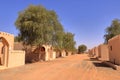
(75,67)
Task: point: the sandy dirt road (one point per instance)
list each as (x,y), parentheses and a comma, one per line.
(75,67)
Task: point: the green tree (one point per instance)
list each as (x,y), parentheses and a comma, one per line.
(68,41)
(37,25)
(112,30)
(82,48)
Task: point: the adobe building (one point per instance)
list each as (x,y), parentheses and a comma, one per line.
(41,53)
(114,49)
(8,56)
(49,52)
(53,55)
(96,52)
(91,52)
(69,53)
(19,46)
(58,54)
(63,53)
(103,53)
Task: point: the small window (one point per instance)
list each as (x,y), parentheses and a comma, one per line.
(111,48)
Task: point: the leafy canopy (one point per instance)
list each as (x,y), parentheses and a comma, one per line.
(112,30)
(68,41)
(38,26)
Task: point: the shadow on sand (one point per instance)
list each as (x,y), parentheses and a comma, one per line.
(92,59)
(100,64)
(97,63)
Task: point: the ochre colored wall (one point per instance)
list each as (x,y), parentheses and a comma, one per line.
(103,52)
(1,55)
(91,52)
(69,53)
(48,52)
(58,54)
(37,54)
(63,53)
(8,42)
(114,49)
(96,52)
(54,55)
(11,58)
(16,58)
(18,46)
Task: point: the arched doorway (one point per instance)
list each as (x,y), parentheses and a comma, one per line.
(3,51)
(42,53)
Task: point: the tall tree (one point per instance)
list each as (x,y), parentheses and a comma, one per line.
(112,30)
(37,25)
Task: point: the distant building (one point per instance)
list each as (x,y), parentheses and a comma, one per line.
(91,52)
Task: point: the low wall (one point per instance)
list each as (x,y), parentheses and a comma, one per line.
(16,58)
(50,56)
(63,53)
(54,55)
(31,57)
(58,54)
(69,53)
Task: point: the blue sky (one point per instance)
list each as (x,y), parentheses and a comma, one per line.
(87,19)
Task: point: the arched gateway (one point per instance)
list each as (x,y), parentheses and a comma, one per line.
(8,56)
(6,44)
(3,50)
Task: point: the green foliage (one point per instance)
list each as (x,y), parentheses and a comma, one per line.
(68,41)
(37,25)
(17,39)
(112,30)
(82,48)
